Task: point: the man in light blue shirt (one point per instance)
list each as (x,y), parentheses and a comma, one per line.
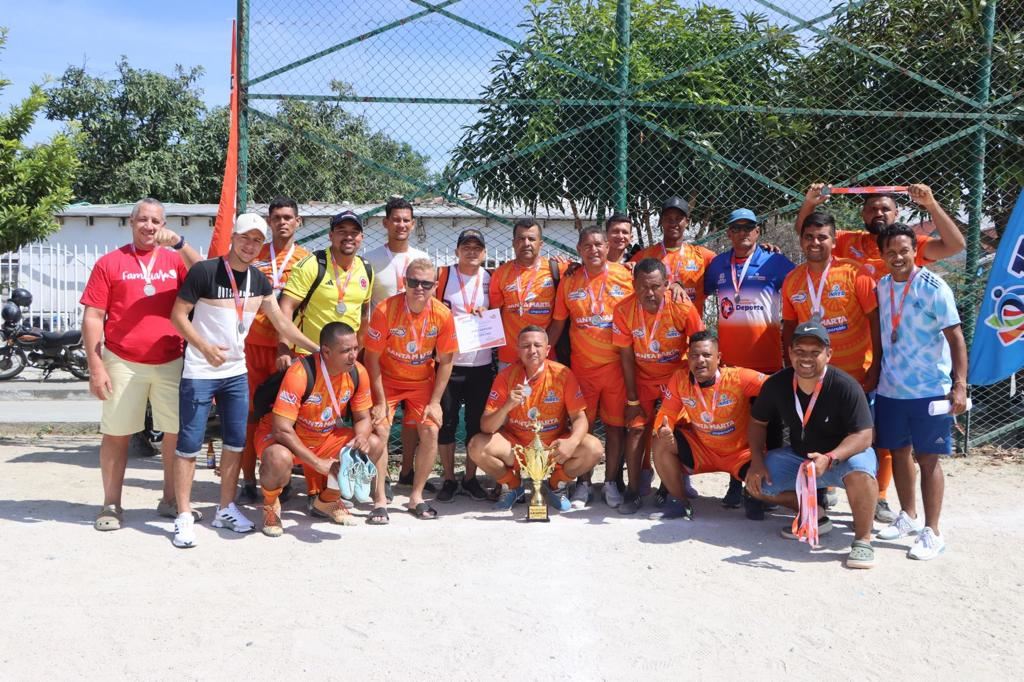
(924,360)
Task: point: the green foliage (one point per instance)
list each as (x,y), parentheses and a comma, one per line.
(35,181)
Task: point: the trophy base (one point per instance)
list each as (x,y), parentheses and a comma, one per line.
(537,513)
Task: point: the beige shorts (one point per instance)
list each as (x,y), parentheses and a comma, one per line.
(134,384)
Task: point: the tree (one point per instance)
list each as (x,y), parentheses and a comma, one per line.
(35,181)
(580,169)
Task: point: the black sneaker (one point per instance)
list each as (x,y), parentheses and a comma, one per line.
(827,498)
(661,496)
(448,490)
(388,493)
(286,493)
(753,507)
(631,503)
(472,487)
(249,493)
(734,496)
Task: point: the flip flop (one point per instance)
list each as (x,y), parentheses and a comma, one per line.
(423,511)
(378,517)
(109,518)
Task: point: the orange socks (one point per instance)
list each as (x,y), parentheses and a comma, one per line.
(884,476)
(558,477)
(328,495)
(511,478)
(270,495)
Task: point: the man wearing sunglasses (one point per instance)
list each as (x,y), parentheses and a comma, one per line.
(405,332)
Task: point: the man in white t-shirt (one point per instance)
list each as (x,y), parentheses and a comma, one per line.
(464,287)
(214,310)
(389,262)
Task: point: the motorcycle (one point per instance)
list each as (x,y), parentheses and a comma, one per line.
(21,346)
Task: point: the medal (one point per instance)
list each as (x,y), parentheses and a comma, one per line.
(653,345)
(596,302)
(526,390)
(527,295)
(533,413)
(149,289)
(737,281)
(413,345)
(707,414)
(468,304)
(596,320)
(239,299)
(410,347)
(241,328)
(896,316)
(815,294)
(329,383)
(147,271)
(342,288)
(341,308)
(276,273)
(525,387)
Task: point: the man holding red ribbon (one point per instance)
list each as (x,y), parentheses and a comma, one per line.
(214,310)
(830,431)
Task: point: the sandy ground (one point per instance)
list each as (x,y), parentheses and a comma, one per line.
(475,595)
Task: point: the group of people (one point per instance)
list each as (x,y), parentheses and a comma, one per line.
(847,352)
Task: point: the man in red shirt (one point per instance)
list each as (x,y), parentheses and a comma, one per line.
(134,353)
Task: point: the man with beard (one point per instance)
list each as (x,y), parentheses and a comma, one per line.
(880,211)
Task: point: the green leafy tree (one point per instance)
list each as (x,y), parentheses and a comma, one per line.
(35,181)
(664,38)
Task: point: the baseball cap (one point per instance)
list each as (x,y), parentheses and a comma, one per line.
(351,216)
(248,222)
(812,328)
(467,235)
(741,214)
(676,202)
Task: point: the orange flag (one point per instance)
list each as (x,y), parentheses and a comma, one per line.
(220,240)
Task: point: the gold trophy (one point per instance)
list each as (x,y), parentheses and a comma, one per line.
(535,460)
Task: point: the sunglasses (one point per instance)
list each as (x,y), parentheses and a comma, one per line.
(742,227)
(413,283)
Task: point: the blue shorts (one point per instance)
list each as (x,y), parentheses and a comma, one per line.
(194,401)
(899,423)
(783,465)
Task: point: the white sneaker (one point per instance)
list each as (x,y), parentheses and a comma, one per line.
(580,496)
(928,545)
(184,531)
(902,527)
(232,518)
(612,496)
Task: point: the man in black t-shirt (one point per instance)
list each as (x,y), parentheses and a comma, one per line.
(830,424)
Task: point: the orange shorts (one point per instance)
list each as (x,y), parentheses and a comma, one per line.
(604,391)
(706,460)
(328,448)
(414,399)
(260,363)
(648,394)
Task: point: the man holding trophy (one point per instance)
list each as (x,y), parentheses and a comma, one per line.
(535,397)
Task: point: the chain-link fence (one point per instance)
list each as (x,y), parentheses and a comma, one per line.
(574,109)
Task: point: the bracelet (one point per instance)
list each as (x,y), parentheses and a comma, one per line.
(633,403)
(180,245)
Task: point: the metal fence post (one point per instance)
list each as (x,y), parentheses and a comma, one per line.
(242,82)
(622,21)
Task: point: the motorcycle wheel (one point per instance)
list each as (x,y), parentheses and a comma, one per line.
(77,363)
(12,361)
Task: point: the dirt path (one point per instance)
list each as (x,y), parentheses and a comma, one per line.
(475,595)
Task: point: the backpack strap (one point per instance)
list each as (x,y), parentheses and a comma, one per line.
(311,369)
(555,273)
(321,264)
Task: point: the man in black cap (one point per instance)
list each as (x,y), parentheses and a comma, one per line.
(829,425)
(464,288)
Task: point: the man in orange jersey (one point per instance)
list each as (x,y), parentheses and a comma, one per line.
(534,389)
(587,300)
(685,262)
(404,333)
(524,288)
(702,424)
(880,211)
(275,260)
(650,329)
(306,424)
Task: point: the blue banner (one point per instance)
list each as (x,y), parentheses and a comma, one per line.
(998,347)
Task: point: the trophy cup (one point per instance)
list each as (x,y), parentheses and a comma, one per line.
(535,461)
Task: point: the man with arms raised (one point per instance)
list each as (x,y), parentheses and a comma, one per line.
(650,329)
(586,302)
(878,212)
(702,424)
(829,424)
(309,427)
(214,310)
(275,261)
(922,344)
(404,333)
(134,353)
(541,390)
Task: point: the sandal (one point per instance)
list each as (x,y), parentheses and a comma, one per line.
(378,517)
(423,511)
(109,518)
(862,555)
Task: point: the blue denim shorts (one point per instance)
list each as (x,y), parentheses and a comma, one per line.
(195,399)
(900,423)
(783,464)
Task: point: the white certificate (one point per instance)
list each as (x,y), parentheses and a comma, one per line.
(476,332)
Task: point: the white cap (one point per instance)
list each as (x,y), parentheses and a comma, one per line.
(248,222)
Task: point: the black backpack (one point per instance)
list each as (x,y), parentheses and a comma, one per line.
(321,264)
(265,396)
(562,348)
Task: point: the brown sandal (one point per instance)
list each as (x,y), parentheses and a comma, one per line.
(109,518)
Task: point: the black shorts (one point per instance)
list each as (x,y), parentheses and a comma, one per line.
(468,386)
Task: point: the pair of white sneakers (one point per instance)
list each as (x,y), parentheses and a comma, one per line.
(230,517)
(928,544)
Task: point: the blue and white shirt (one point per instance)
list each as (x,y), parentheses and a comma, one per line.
(919,363)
